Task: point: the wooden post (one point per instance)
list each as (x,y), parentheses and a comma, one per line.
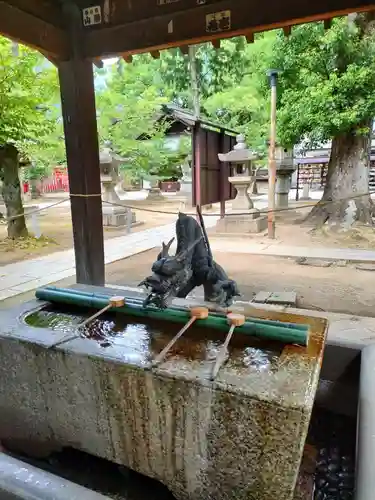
(271,157)
(197,164)
(297,184)
(224,168)
(82,151)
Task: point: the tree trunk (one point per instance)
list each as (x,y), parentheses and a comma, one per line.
(11,191)
(346,198)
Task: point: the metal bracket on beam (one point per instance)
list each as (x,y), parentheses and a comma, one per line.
(216,44)
(128,58)
(327,24)
(155,54)
(250,37)
(287,30)
(185,50)
(98,63)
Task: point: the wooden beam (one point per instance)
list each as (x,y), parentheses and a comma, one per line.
(42,9)
(32,31)
(208,22)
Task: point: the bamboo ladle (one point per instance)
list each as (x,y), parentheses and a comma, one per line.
(195,313)
(115,301)
(234,320)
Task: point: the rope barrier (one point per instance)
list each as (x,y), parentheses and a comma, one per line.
(265,212)
(165,212)
(37,210)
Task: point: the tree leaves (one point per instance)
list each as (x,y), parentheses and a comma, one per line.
(28,95)
(327,85)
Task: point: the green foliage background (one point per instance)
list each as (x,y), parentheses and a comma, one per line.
(326,88)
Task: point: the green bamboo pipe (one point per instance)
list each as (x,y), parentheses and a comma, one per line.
(139,301)
(274,331)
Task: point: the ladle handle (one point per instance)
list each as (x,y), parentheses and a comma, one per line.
(81,325)
(221,356)
(91,318)
(171,343)
(65,340)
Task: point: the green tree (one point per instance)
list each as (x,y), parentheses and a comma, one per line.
(27,86)
(231,84)
(129,109)
(218,69)
(244,105)
(327,92)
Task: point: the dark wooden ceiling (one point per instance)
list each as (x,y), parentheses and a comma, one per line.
(133,26)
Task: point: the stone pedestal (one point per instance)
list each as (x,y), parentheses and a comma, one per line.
(242,184)
(114,215)
(186,194)
(284,170)
(242,224)
(283,182)
(119,188)
(243,217)
(305,192)
(154,193)
(186,182)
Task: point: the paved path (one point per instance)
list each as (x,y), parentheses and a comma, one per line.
(278,249)
(29,274)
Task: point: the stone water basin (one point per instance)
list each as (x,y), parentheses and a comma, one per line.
(240,436)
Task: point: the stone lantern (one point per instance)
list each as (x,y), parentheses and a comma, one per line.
(284,170)
(243,218)
(113,215)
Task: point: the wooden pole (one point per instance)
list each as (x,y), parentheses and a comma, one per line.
(197,163)
(234,320)
(197,110)
(271,157)
(196,313)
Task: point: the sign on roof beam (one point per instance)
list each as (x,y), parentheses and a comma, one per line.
(216,44)
(155,54)
(128,58)
(287,30)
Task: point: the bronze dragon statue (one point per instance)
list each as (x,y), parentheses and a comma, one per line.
(192,266)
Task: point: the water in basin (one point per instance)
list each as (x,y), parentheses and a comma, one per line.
(140,340)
